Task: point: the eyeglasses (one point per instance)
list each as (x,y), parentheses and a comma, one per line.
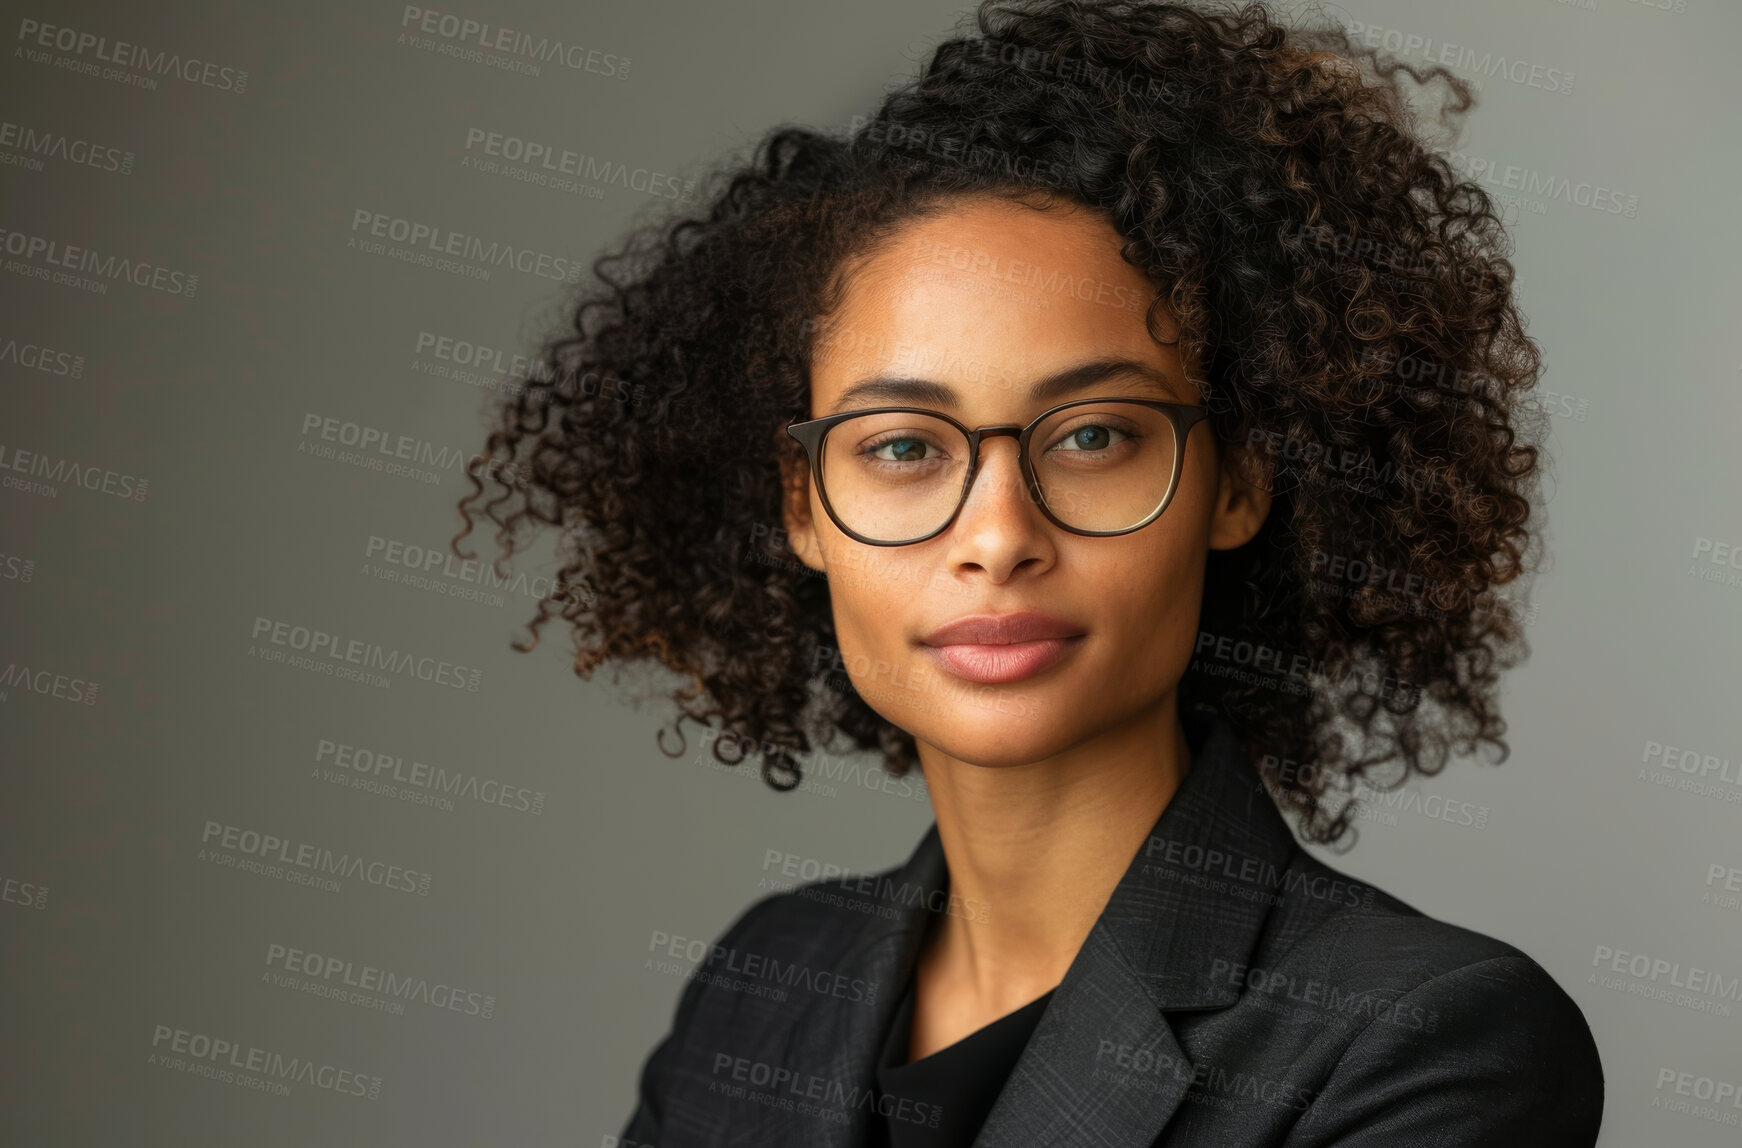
(891,476)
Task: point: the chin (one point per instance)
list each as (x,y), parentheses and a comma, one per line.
(984,736)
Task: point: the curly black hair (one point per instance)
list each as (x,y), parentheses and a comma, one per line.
(1346,294)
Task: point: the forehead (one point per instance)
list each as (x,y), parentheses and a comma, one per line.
(989,295)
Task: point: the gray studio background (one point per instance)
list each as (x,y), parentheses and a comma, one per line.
(125,930)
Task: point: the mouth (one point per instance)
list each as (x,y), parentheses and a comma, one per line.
(997,648)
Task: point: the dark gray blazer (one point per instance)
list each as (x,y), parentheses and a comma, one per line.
(1234,992)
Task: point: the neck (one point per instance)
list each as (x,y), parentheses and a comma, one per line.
(1035,851)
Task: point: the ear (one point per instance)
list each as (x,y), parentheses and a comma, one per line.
(796,515)
(1242,498)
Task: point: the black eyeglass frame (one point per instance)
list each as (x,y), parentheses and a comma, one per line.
(810,434)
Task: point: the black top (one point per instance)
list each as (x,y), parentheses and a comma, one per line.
(940,1101)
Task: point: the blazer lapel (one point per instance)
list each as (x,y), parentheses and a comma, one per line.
(839,1041)
(1104,1065)
(1069,1086)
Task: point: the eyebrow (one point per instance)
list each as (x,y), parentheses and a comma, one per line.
(899,390)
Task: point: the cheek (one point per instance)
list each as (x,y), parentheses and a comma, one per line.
(873,590)
(1150,597)
(1160,565)
(870,600)
(869,588)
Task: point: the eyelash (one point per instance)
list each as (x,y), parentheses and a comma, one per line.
(896,436)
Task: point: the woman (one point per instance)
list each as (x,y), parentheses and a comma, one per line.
(921,470)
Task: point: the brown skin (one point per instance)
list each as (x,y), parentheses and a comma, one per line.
(1044,788)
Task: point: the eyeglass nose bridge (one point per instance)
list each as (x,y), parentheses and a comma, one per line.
(997,430)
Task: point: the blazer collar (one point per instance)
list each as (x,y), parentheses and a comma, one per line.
(1190,906)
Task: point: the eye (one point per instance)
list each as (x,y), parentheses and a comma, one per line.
(1090,437)
(904,448)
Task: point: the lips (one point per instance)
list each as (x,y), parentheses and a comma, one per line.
(998,648)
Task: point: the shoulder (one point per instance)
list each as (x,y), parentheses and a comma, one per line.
(799,938)
(782,954)
(1361,935)
(817,919)
(1439,1027)
(1490,1051)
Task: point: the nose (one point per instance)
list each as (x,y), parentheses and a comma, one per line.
(999,527)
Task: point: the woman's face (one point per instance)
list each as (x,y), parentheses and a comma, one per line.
(984,300)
